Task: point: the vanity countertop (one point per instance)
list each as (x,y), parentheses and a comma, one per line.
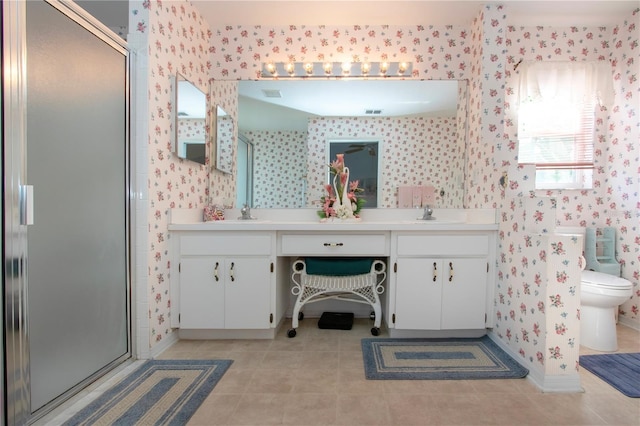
(307,220)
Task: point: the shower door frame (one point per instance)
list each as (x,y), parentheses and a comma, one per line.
(16,409)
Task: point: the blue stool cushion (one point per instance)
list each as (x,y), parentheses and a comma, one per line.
(338,266)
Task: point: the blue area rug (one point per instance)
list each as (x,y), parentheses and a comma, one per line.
(438,359)
(159,392)
(622,371)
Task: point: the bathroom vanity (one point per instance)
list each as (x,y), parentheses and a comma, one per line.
(232,278)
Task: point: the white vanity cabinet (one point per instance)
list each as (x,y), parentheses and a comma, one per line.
(440,281)
(225,281)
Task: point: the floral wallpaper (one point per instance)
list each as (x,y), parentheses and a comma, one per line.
(279,168)
(416,151)
(614,200)
(532,268)
(176,39)
(192,129)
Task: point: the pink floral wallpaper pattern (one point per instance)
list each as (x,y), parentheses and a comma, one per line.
(484,53)
(279,163)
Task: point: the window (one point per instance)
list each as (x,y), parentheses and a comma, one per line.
(556,120)
(558,138)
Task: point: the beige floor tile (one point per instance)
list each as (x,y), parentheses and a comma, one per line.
(355,410)
(311,409)
(324,381)
(217,409)
(317,378)
(258,410)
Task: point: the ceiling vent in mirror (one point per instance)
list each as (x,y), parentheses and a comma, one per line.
(373,111)
(272,93)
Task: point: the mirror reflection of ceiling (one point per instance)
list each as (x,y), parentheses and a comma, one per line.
(288,104)
(192,103)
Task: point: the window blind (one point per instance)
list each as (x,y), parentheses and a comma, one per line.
(554,135)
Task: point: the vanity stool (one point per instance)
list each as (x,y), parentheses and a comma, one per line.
(351,279)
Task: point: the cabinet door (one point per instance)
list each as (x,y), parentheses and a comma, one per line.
(464,284)
(248,293)
(202,292)
(418,294)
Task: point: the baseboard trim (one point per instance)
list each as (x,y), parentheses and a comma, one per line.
(628,322)
(168,341)
(566,383)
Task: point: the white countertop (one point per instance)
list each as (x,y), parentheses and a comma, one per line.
(307,220)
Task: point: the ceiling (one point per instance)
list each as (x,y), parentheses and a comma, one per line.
(436,12)
(114,13)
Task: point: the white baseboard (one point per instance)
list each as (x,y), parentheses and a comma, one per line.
(546,383)
(164,344)
(628,322)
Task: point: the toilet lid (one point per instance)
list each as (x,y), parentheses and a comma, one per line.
(605,280)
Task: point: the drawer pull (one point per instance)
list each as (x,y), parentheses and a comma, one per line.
(333,244)
(435,272)
(450,271)
(231,272)
(215,272)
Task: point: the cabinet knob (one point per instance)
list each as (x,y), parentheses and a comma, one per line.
(231,271)
(333,244)
(435,271)
(215,272)
(450,271)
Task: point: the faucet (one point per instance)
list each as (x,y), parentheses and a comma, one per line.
(246,213)
(428,212)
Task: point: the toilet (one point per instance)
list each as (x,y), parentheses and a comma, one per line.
(600,296)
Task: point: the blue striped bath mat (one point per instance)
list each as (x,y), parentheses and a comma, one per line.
(159,392)
(622,371)
(438,359)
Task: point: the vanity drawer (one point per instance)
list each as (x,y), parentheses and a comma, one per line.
(334,245)
(222,244)
(443,245)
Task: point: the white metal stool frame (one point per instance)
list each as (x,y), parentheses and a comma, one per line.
(314,288)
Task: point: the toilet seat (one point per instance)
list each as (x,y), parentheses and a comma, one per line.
(605,281)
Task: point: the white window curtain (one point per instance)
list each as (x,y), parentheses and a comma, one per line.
(567,82)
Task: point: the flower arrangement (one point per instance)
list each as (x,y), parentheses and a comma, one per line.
(341,200)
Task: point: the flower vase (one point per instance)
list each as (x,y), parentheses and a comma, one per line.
(342,204)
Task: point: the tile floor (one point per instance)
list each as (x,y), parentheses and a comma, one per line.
(317,378)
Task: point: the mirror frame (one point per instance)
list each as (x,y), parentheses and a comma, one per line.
(177,141)
(217,161)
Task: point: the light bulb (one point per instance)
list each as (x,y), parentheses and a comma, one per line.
(328,68)
(365,68)
(384,67)
(290,68)
(346,68)
(271,68)
(308,67)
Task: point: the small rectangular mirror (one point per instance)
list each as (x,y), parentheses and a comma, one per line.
(190,111)
(223,142)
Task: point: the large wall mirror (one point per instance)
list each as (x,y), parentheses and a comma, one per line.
(420,126)
(190,135)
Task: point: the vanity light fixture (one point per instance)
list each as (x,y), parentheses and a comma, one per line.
(271,68)
(308,68)
(384,67)
(290,67)
(344,69)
